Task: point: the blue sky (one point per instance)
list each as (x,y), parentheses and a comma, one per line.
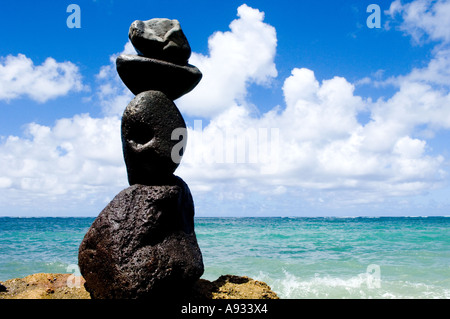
(360,117)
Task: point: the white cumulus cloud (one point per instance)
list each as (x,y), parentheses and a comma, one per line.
(311,147)
(78,160)
(321,145)
(20,77)
(238,57)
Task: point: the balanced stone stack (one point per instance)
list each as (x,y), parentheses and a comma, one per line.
(143,244)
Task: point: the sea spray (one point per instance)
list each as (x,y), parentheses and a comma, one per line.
(357,287)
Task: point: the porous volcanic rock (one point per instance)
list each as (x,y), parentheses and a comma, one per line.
(143,245)
(151,154)
(232,287)
(54,286)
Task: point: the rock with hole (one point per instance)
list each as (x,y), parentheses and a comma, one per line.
(153,138)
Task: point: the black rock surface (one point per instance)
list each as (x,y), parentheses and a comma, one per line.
(144,74)
(148,122)
(143,245)
(161,39)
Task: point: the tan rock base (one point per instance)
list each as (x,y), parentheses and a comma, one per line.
(57,286)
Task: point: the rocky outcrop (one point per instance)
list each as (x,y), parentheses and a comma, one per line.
(44,286)
(54,286)
(232,287)
(143,245)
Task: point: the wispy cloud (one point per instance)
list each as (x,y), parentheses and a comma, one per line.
(111,93)
(423,20)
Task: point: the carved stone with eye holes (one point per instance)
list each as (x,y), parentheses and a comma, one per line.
(147,126)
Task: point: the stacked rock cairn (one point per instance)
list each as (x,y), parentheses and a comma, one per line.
(143,244)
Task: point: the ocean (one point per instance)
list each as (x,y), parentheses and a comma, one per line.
(382,258)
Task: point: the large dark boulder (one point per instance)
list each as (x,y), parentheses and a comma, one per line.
(143,245)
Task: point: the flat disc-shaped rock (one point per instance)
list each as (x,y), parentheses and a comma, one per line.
(161,39)
(148,124)
(143,74)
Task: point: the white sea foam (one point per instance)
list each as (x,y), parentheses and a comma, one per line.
(356,287)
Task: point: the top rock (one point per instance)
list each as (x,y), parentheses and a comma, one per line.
(160,39)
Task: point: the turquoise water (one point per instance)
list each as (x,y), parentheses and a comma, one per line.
(298,257)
